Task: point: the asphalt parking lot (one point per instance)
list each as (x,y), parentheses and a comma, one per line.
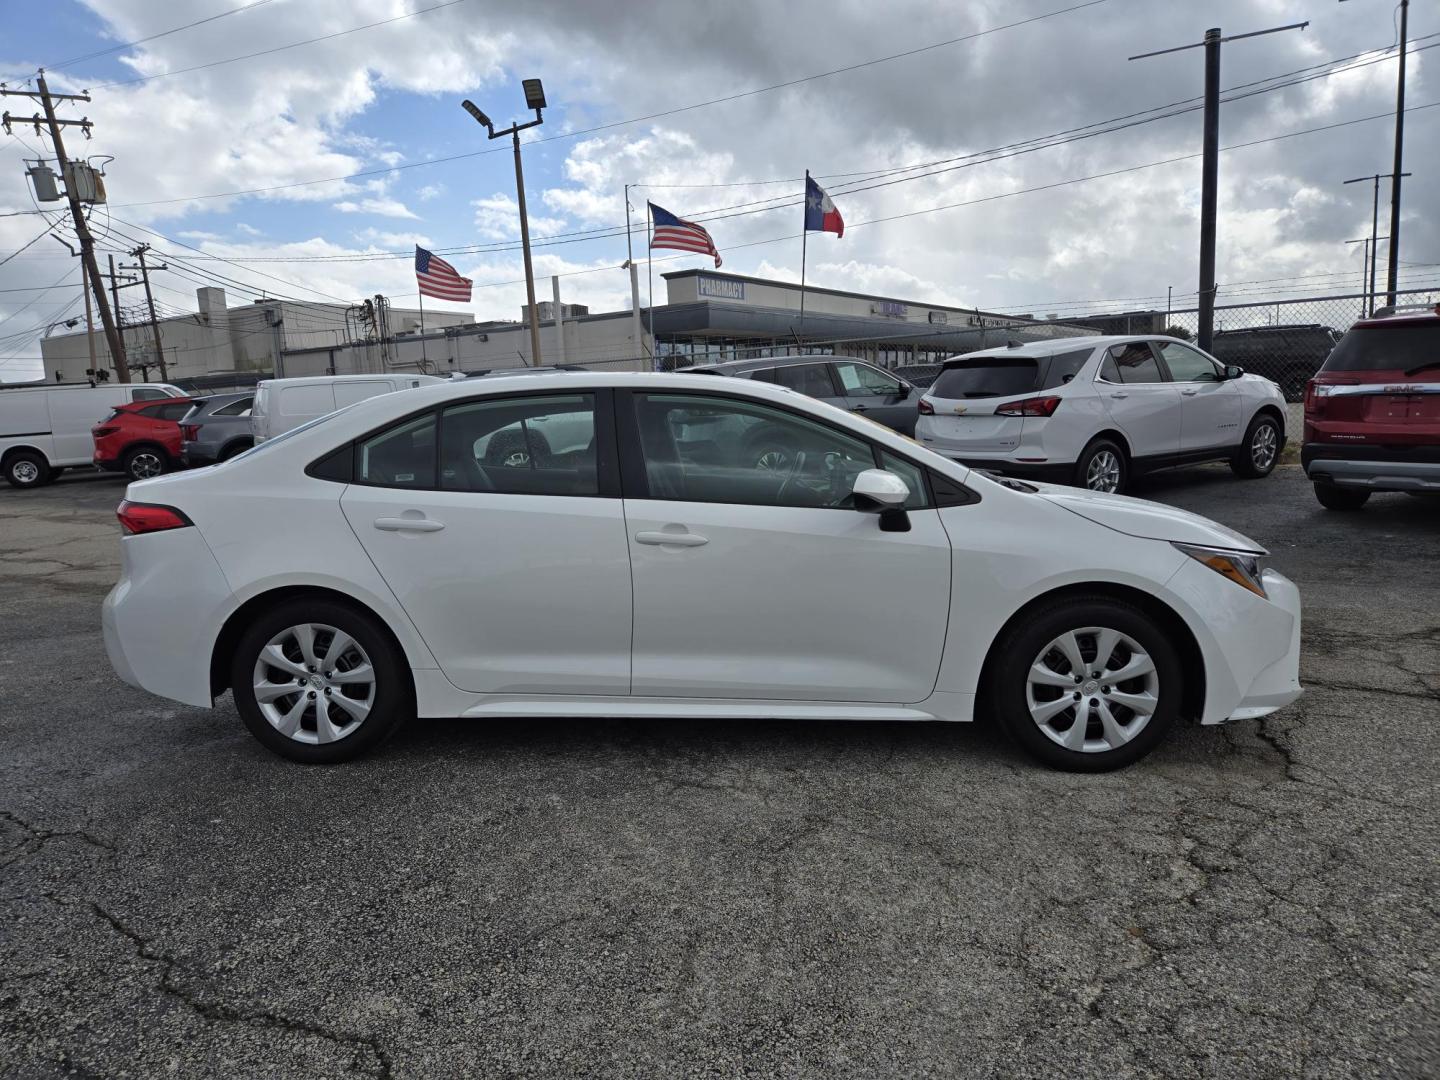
(681,899)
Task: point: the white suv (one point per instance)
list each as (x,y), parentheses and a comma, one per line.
(1095,411)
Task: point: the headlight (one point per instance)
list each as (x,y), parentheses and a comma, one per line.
(1242,567)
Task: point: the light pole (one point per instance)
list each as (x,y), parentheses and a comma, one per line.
(1375,230)
(534,99)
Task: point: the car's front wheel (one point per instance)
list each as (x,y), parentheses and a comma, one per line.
(1334,497)
(319,682)
(1259,451)
(1087,685)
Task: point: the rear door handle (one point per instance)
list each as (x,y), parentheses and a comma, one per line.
(1189,393)
(1120,395)
(408,524)
(858,408)
(671,539)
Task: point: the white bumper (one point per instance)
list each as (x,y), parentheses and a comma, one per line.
(160,618)
(1251,644)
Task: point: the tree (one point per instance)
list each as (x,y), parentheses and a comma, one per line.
(1176,330)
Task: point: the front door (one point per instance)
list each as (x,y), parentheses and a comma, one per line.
(876,395)
(753,582)
(1210,405)
(512,565)
(1141,402)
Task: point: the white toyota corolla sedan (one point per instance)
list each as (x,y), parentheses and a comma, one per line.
(610,545)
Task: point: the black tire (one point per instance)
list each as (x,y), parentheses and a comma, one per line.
(237,447)
(27,469)
(1333,497)
(393,697)
(145,462)
(1252,460)
(1021,647)
(1091,456)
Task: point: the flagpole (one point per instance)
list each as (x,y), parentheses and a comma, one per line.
(804,238)
(424,356)
(650,274)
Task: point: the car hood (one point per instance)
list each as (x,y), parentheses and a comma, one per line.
(1148,520)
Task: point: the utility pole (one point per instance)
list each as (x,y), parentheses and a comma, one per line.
(1393,266)
(82,230)
(139,253)
(85,292)
(1210,165)
(1375,232)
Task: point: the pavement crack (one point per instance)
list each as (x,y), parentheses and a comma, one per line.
(36,838)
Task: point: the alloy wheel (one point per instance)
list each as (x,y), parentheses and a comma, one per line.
(1092,689)
(146,464)
(1262,446)
(314,683)
(1103,472)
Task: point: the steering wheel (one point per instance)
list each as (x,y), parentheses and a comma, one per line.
(790,476)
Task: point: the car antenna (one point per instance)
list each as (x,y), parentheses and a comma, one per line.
(1013,344)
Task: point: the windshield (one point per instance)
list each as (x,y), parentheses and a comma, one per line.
(990,376)
(1386,348)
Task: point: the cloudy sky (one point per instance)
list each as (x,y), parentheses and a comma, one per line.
(242,169)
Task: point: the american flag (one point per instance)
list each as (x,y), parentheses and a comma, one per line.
(438,278)
(673,232)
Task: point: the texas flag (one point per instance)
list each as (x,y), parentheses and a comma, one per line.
(820,212)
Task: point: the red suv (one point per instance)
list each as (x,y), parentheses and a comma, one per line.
(1372,412)
(141,438)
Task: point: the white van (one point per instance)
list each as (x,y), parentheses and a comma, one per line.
(44,429)
(282,404)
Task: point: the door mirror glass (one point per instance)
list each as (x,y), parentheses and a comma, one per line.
(904,391)
(1233,371)
(877,489)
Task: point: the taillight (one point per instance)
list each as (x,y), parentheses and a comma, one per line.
(136,518)
(1032,406)
(926,409)
(101,432)
(189,432)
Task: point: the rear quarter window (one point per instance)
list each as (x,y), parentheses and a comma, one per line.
(1063,367)
(1386,348)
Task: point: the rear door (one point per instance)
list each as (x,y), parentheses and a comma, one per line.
(876,395)
(514,570)
(1141,401)
(1210,406)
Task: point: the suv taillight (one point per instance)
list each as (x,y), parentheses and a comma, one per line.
(925,408)
(101,432)
(136,518)
(189,432)
(1033,406)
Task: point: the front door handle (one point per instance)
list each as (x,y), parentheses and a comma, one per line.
(1121,394)
(408,524)
(859,408)
(1189,393)
(671,539)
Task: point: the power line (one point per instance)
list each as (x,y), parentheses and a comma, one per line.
(279,48)
(156,37)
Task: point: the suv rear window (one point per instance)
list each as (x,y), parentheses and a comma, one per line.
(1386,348)
(1005,376)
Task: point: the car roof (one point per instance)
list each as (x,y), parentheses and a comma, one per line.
(1405,316)
(759,362)
(1051,346)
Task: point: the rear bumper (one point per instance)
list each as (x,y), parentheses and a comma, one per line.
(1329,464)
(195,454)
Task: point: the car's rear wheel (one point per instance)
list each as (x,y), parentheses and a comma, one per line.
(144,462)
(26,469)
(1102,467)
(319,682)
(233,449)
(1334,497)
(1259,451)
(1087,685)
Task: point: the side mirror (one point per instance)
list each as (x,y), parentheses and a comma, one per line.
(877,491)
(1233,371)
(904,391)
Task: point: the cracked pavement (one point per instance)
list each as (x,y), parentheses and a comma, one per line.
(672,898)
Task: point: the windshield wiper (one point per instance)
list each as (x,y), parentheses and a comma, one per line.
(1421,367)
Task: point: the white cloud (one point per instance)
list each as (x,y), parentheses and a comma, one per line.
(497,217)
(384,207)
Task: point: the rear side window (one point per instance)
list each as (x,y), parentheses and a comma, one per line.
(812,380)
(1386,348)
(1136,363)
(235,408)
(400,456)
(989,376)
(1064,367)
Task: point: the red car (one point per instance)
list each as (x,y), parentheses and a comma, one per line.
(1372,412)
(141,438)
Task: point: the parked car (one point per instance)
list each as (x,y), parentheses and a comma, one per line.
(1372,413)
(141,439)
(282,404)
(1287,355)
(373,564)
(1096,411)
(848,384)
(216,428)
(45,430)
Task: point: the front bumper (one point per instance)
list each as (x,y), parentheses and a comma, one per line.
(1372,474)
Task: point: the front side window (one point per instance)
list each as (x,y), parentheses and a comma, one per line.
(712,449)
(1186,364)
(912,474)
(1136,363)
(521,446)
(858,380)
(399,456)
(812,380)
